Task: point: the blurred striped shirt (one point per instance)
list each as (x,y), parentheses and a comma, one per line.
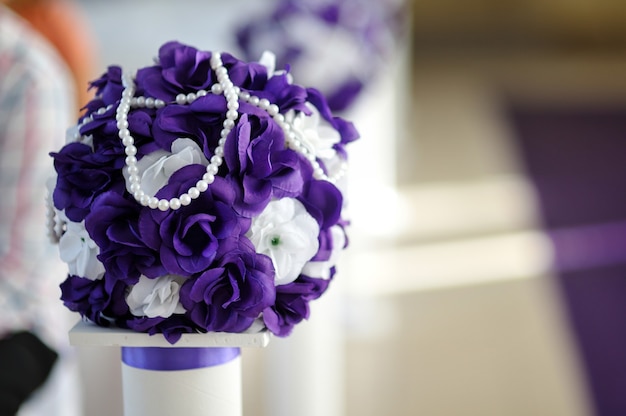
(35,109)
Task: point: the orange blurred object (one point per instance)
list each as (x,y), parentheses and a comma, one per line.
(63,25)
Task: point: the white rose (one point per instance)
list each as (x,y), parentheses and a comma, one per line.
(315,133)
(156,168)
(156,297)
(321,269)
(286,233)
(79,251)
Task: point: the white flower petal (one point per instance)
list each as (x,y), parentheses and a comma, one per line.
(288,235)
(156,297)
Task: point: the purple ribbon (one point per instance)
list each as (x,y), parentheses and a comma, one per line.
(176,359)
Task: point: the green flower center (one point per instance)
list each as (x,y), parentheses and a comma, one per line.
(275,241)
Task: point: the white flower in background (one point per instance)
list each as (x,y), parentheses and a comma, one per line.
(79,251)
(156,168)
(268,60)
(286,233)
(321,269)
(156,297)
(315,133)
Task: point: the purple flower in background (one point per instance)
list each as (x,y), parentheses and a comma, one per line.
(200,195)
(232,294)
(338,46)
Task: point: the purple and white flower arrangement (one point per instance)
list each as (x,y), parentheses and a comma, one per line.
(339,46)
(200,194)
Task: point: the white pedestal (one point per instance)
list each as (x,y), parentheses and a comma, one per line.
(199,375)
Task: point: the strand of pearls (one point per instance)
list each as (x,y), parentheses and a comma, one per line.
(54,224)
(233,95)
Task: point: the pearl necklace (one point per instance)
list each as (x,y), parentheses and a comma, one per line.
(233,95)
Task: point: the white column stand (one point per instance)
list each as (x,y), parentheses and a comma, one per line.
(207,391)
(200,375)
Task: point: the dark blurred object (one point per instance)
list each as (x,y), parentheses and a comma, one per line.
(25,364)
(566,24)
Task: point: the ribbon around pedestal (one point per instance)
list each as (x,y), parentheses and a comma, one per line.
(176,359)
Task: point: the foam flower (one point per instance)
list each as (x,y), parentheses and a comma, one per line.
(80,252)
(156,297)
(287,234)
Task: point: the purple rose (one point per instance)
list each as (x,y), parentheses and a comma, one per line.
(292,304)
(260,167)
(92,300)
(230,295)
(113,225)
(172,328)
(187,239)
(108,89)
(346,129)
(82,176)
(201,121)
(184,69)
(323,201)
(285,95)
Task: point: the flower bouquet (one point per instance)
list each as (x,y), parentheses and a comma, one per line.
(201,194)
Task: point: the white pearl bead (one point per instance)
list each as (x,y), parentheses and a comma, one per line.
(153,203)
(208,178)
(185,199)
(264,103)
(181,99)
(193,192)
(229,124)
(253,100)
(219,151)
(128,140)
(123,133)
(138,194)
(216,160)
(130,150)
(224,133)
(202,186)
(273,110)
(191,97)
(212,169)
(164,204)
(141,101)
(216,89)
(122,124)
(145,200)
(233,105)
(135,187)
(158,103)
(175,203)
(200,93)
(232,114)
(150,102)
(244,95)
(133,170)
(131,160)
